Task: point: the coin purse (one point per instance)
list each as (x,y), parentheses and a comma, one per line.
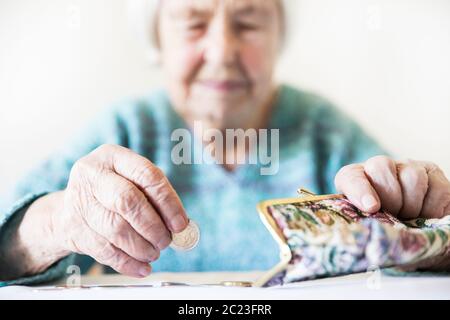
(324,236)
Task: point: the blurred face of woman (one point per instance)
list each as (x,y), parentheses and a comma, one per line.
(218,57)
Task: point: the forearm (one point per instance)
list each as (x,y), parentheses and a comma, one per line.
(29,245)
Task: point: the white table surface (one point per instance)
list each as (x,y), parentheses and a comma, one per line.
(371,285)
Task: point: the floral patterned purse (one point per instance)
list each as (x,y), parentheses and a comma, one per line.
(323,236)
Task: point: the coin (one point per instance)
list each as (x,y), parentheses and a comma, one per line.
(187,239)
(173,284)
(236,284)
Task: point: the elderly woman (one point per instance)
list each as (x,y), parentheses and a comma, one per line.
(115,194)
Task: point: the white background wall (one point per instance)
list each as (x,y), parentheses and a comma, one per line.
(385,62)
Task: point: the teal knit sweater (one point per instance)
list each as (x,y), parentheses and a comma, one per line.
(316,140)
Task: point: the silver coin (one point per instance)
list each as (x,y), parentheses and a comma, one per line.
(173,284)
(187,239)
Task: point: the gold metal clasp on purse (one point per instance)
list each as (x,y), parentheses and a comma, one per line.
(305,192)
(285,252)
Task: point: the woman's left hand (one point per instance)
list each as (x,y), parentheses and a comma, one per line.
(407,189)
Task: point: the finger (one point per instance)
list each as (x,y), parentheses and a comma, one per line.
(104,252)
(152,181)
(413,180)
(437,198)
(447,210)
(119,232)
(351,180)
(119,195)
(382,174)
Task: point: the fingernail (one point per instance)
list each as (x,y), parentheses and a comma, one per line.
(145,271)
(155,256)
(368,202)
(178,223)
(164,243)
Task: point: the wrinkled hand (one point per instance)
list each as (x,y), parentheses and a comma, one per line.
(119,208)
(407,189)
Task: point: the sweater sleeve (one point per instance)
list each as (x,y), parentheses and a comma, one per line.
(52,175)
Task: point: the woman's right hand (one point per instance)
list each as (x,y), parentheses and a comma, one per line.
(118,208)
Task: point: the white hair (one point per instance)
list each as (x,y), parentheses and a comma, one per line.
(142,15)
